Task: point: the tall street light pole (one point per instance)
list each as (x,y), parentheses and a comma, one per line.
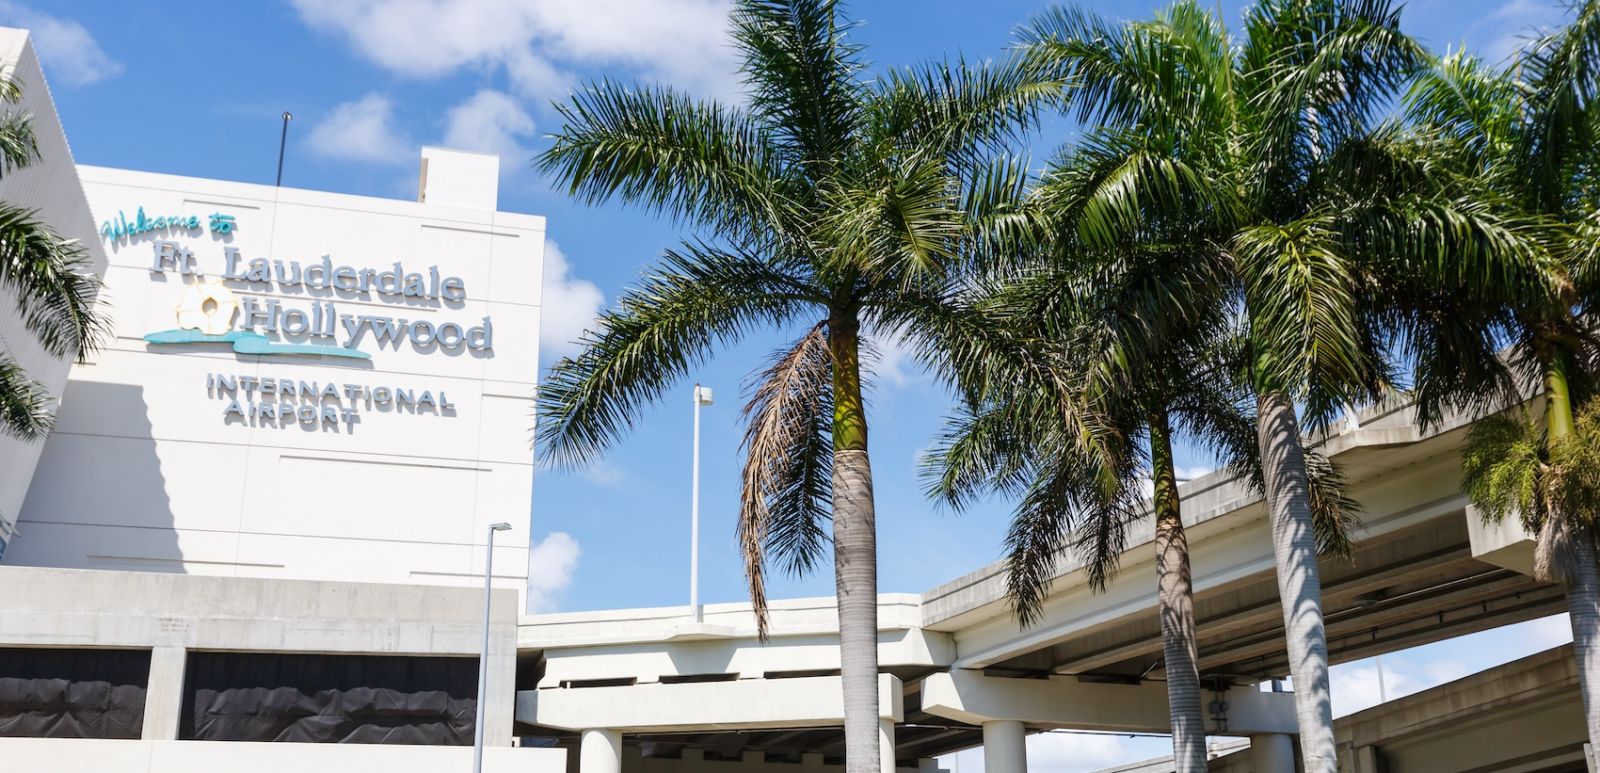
(702,397)
(483,654)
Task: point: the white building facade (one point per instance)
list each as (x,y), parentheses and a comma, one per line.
(301,385)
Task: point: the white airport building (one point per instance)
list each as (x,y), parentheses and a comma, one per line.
(256,537)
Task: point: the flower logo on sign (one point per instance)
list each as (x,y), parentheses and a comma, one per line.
(207,307)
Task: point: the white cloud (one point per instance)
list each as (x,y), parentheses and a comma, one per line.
(570,305)
(682,42)
(1075,751)
(491,122)
(551,564)
(891,359)
(361,130)
(1355,685)
(70,54)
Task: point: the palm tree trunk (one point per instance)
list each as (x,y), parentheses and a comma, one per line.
(1175,597)
(1583,575)
(1294,551)
(855,550)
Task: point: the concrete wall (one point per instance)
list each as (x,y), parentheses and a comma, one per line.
(401,495)
(1522,717)
(175,614)
(96,756)
(647,644)
(50,186)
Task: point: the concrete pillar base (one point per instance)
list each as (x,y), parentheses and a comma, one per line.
(886,745)
(1272,753)
(163,701)
(600,751)
(1005,747)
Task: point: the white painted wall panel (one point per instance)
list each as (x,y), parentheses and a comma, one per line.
(51,187)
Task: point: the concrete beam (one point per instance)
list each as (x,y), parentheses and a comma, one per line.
(750,704)
(742,654)
(1066,702)
(1505,544)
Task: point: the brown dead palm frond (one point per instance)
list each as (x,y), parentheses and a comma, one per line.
(787,480)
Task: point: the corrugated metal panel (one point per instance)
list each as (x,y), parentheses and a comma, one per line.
(52,187)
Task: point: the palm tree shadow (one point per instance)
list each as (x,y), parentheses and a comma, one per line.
(99,497)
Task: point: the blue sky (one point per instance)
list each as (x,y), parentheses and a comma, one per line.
(196,88)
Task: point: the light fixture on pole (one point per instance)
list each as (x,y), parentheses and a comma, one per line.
(702,397)
(483,654)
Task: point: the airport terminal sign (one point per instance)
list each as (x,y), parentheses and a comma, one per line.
(302,318)
(302,308)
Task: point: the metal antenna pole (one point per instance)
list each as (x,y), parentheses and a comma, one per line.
(283,140)
(694,517)
(702,397)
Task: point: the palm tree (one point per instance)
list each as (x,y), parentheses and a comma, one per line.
(827,203)
(1522,140)
(48,277)
(1264,137)
(1077,321)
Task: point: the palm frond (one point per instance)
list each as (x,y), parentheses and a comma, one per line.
(1063,511)
(703,162)
(787,486)
(19,146)
(50,278)
(1158,75)
(1562,73)
(1314,72)
(979,451)
(24,403)
(1469,101)
(905,229)
(701,297)
(1304,321)
(960,110)
(1116,184)
(1334,515)
(801,77)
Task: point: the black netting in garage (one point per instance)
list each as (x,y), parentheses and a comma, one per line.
(329,698)
(66,693)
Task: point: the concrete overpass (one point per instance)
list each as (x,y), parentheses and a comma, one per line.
(959,671)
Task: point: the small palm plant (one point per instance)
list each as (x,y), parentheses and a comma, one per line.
(828,204)
(48,277)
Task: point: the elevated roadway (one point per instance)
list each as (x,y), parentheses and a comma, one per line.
(959,670)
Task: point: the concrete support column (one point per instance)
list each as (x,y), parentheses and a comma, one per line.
(1272,753)
(886,745)
(1363,759)
(163,694)
(1005,747)
(600,751)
